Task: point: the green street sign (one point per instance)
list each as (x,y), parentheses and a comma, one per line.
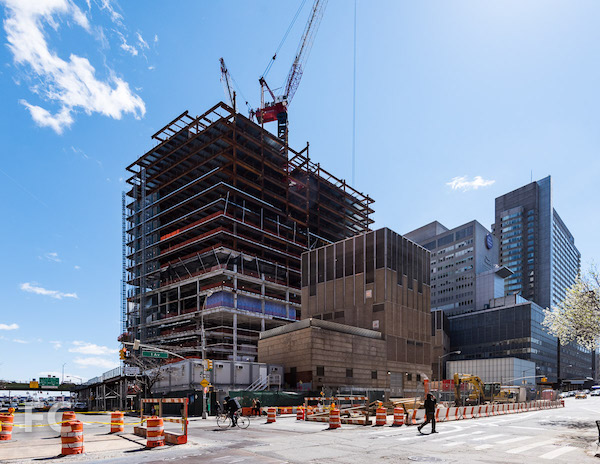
(49,381)
(155,354)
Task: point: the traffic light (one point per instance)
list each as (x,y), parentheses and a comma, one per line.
(209,365)
(122,353)
(544,379)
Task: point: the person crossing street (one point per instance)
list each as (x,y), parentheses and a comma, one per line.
(430,406)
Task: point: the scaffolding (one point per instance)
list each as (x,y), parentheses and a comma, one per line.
(219,214)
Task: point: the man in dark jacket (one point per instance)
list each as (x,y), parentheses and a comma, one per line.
(430,405)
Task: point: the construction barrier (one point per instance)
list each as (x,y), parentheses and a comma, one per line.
(414,416)
(117,422)
(271,415)
(6,422)
(398,417)
(68,416)
(155,432)
(334,419)
(381,417)
(300,413)
(71,437)
(170,437)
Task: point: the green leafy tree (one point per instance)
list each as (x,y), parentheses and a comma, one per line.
(577,317)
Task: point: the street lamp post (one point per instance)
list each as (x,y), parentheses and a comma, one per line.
(62,380)
(439,368)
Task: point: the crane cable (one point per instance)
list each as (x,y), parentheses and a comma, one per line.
(272,60)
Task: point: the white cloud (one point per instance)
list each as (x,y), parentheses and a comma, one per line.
(155,38)
(18,340)
(91,349)
(56,344)
(141,41)
(9,326)
(52,256)
(34,288)
(72,83)
(151,68)
(96,362)
(114,16)
(462,183)
(128,48)
(77,267)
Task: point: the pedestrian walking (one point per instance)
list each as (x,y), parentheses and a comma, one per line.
(257,405)
(430,405)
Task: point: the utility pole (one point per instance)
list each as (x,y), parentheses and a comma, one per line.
(204,362)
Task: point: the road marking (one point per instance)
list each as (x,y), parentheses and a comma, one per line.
(464,435)
(524,427)
(482,447)
(531,446)
(489,437)
(557,452)
(454,443)
(512,440)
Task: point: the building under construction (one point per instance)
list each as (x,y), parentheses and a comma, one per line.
(216,220)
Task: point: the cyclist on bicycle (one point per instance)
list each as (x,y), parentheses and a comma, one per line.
(232,405)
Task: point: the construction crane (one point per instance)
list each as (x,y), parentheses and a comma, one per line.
(227,83)
(276,108)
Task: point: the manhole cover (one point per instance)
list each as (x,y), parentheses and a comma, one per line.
(425,459)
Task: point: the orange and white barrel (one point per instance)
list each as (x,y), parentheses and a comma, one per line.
(271,415)
(334,419)
(398,417)
(300,413)
(117,423)
(155,432)
(6,421)
(71,437)
(68,416)
(381,416)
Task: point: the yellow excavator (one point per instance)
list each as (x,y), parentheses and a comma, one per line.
(481,392)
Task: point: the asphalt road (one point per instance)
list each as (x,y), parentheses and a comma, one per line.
(564,435)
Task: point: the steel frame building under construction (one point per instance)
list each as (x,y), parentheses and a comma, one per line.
(217,217)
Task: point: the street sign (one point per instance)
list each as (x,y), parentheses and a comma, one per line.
(205,383)
(155,354)
(34,384)
(131,370)
(51,382)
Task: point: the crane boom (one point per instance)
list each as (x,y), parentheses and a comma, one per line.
(276,110)
(226,80)
(304,48)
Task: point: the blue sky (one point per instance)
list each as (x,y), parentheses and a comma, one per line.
(483,93)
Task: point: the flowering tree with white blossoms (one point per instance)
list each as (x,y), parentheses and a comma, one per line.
(577,317)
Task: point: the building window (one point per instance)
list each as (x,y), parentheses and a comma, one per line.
(348,372)
(374,374)
(408,376)
(321,370)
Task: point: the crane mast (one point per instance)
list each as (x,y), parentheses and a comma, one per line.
(276,110)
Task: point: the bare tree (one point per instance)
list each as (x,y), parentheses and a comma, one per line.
(577,317)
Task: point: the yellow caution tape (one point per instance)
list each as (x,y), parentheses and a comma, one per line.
(63,422)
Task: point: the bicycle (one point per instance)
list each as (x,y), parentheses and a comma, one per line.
(224,421)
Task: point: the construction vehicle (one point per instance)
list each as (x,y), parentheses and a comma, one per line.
(481,392)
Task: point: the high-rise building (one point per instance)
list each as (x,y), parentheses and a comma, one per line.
(535,244)
(457,256)
(539,248)
(218,215)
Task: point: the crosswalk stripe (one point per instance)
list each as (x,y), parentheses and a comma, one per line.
(483,447)
(512,440)
(453,443)
(557,452)
(489,437)
(462,435)
(530,446)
